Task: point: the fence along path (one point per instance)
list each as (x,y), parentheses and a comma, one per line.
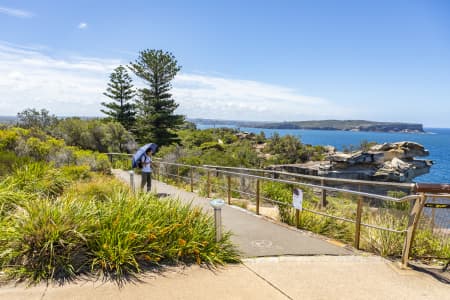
(254,235)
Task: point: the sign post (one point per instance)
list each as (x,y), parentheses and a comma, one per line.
(297,203)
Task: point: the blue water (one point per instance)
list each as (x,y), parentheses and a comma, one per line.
(436,140)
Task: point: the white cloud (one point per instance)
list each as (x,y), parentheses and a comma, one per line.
(82,25)
(15,12)
(225,98)
(29,78)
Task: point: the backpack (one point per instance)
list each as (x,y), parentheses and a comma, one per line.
(136,161)
(136,164)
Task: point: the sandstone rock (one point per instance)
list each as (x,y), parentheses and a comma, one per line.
(358,157)
(401,150)
(330,149)
(385,162)
(340,157)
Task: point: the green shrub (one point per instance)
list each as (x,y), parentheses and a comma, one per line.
(45,239)
(8,140)
(402,206)
(98,162)
(74,173)
(38,178)
(119,235)
(10,198)
(9,161)
(98,188)
(427,244)
(212,145)
(309,221)
(384,242)
(121,162)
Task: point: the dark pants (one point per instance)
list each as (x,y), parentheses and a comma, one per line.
(146,179)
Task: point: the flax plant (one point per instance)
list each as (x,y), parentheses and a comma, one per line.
(96,226)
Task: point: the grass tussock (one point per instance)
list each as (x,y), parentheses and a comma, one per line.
(96,225)
(38,178)
(384,243)
(44,239)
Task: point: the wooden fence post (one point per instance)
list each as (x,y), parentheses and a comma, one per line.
(323,198)
(257,196)
(208,185)
(160,176)
(191,171)
(414,218)
(358,222)
(297,218)
(229,188)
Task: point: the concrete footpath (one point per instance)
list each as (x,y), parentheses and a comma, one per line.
(299,266)
(308,277)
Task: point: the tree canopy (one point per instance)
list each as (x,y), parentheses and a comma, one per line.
(33,118)
(156,121)
(121,91)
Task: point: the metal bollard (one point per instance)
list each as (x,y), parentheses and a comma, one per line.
(132,181)
(217,205)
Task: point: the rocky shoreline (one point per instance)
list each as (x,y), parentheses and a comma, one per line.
(393,162)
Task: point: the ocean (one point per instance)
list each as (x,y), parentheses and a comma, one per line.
(436,141)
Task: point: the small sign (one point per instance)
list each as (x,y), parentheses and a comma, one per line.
(297,199)
(437,205)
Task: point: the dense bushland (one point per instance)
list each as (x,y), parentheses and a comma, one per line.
(18,146)
(229,147)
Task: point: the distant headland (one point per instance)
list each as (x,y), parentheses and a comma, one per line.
(343,125)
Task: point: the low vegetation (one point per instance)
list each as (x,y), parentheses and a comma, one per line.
(229,147)
(19,146)
(59,220)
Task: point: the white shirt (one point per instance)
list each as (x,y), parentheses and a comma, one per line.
(146,163)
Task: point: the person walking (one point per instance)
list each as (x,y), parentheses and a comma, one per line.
(147,170)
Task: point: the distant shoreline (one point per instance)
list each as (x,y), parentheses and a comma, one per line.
(339,125)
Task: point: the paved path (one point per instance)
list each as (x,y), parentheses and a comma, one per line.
(306,277)
(254,235)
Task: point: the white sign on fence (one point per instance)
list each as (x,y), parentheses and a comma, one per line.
(297,199)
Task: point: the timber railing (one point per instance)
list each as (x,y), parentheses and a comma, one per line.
(376,216)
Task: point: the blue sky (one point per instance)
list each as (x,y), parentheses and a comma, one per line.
(255,60)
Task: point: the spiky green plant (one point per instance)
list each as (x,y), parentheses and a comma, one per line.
(73,173)
(10,198)
(133,231)
(38,178)
(45,239)
(385,243)
(108,230)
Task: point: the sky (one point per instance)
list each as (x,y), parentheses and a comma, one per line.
(241,60)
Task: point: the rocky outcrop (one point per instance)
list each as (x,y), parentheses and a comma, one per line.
(382,162)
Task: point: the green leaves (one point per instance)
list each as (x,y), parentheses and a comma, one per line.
(97,226)
(121,91)
(156,120)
